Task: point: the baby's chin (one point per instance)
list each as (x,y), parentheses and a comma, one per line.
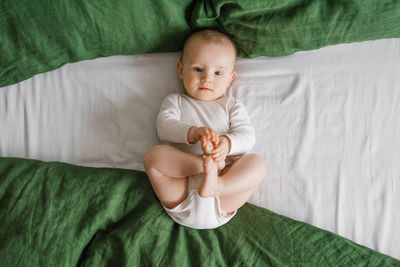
(205,98)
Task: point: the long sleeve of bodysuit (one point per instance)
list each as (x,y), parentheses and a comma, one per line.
(241,132)
(170,128)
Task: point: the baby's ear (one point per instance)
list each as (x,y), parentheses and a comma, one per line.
(179,68)
(233,75)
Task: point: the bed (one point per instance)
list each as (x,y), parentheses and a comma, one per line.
(78,110)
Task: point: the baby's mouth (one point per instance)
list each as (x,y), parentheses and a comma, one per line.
(205,88)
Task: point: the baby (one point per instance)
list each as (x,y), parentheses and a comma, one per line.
(203,174)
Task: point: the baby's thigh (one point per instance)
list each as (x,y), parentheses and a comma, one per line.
(225,170)
(230,203)
(171,191)
(172,161)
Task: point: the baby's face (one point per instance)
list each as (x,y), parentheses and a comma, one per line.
(207,69)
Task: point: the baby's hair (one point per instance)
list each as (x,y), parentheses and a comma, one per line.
(212,36)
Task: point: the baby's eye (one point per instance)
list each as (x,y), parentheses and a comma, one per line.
(218,73)
(197,69)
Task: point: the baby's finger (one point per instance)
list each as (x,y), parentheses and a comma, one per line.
(218,150)
(219,158)
(216,138)
(215,144)
(218,154)
(221,146)
(206,133)
(212,135)
(205,137)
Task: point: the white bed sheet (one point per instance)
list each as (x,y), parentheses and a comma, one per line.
(327,123)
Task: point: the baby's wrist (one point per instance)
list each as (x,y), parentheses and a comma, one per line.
(191,134)
(228,141)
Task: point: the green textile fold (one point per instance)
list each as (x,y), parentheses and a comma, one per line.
(280,28)
(37,36)
(56,214)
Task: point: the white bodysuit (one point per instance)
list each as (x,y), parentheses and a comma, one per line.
(227,116)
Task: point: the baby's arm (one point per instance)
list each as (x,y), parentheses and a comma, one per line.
(170,128)
(241,133)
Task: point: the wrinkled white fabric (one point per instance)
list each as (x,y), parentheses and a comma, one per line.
(327,123)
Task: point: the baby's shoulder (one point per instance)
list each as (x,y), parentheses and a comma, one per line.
(231,102)
(174,98)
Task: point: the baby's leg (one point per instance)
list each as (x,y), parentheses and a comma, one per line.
(209,185)
(208,147)
(239,182)
(167,169)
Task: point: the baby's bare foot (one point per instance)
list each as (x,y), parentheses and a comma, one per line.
(220,164)
(208,187)
(207,147)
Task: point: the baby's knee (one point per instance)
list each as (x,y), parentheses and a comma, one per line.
(258,164)
(152,156)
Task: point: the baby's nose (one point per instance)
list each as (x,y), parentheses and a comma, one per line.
(206,79)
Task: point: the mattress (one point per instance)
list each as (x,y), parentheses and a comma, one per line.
(327,123)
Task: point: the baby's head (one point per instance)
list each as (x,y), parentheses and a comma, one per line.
(207,65)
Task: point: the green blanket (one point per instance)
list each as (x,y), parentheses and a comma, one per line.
(56,214)
(37,36)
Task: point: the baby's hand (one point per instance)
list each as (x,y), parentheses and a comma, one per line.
(222,149)
(197,133)
(207,146)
